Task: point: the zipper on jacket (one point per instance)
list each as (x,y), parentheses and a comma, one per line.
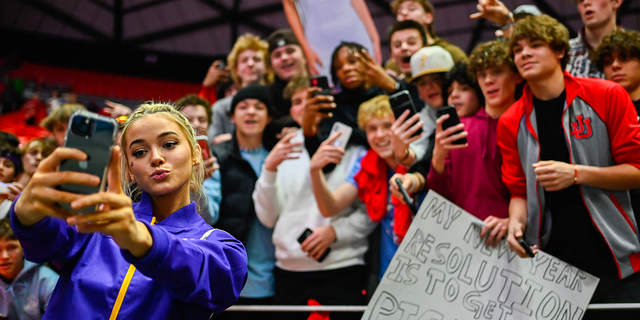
(124,287)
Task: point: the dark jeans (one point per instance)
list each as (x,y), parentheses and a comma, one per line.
(331,287)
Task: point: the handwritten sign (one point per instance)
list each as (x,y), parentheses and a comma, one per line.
(443,270)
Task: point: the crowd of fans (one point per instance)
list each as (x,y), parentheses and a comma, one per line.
(551,153)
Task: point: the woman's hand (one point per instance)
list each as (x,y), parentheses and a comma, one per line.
(319,241)
(283,150)
(40,197)
(115,216)
(444,142)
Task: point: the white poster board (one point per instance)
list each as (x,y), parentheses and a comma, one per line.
(443,270)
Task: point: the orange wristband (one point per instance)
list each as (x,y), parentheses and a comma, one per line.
(575,178)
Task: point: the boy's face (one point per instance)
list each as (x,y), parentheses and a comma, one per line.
(625,72)
(288,62)
(597,13)
(411,10)
(498,85)
(7,170)
(404,43)
(197,116)
(250,117)
(298,101)
(378,132)
(251,66)
(11,259)
(464,98)
(430,89)
(535,59)
(59,131)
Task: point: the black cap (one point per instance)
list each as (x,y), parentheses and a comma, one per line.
(281,38)
(253,91)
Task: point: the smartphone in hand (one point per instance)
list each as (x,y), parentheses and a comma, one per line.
(343,139)
(400,102)
(94,135)
(405,196)
(452,121)
(526,247)
(307,232)
(323,83)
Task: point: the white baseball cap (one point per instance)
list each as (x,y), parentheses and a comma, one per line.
(432,59)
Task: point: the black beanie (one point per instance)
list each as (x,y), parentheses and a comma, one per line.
(252,91)
(281,38)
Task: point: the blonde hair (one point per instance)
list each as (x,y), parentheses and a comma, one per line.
(378,107)
(168,111)
(61,114)
(248,41)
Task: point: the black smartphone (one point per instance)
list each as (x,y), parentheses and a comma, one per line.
(526,246)
(307,232)
(400,102)
(407,199)
(323,83)
(94,135)
(221,65)
(452,121)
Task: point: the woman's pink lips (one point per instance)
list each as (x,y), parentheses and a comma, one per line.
(159,174)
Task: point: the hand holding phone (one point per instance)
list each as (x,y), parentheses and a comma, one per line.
(405,196)
(526,247)
(305,234)
(94,135)
(451,121)
(345,134)
(323,83)
(400,102)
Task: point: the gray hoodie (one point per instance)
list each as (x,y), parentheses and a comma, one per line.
(28,295)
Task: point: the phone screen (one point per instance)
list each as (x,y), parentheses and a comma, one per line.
(400,102)
(452,121)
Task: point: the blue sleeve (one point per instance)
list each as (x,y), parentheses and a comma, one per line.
(209,272)
(50,240)
(357,165)
(212,189)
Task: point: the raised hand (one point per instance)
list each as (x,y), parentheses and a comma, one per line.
(444,142)
(283,150)
(115,216)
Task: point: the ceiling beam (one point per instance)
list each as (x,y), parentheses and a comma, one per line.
(101,4)
(68,20)
(117,21)
(145,5)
